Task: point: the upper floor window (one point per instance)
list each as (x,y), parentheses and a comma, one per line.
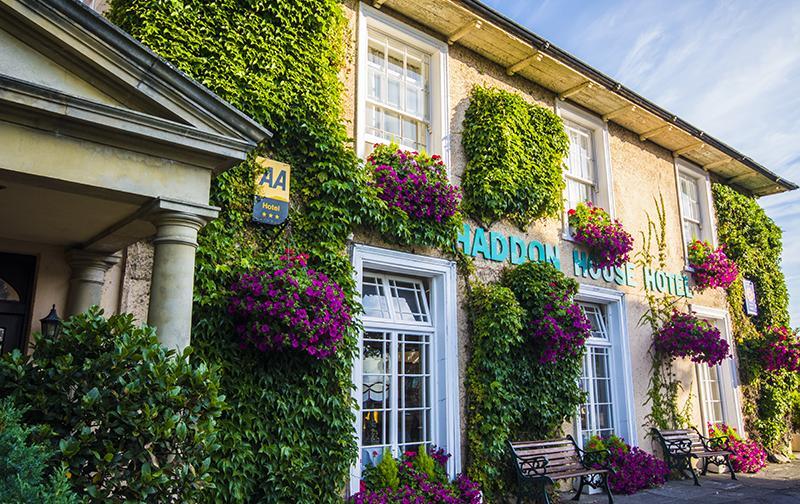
(587,167)
(580,172)
(695,203)
(397,102)
(401,86)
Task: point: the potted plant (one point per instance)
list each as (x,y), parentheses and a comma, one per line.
(608,243)
(685,335)
(711,267)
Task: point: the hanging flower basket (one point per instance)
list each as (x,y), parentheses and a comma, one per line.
(712,267)
(608,243)
(562,331)
(414,183)
(781,349)
(294,307)
(685,335)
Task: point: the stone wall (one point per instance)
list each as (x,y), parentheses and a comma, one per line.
(641,173)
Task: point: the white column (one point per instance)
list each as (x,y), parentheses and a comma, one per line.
(87,279)
(170,310)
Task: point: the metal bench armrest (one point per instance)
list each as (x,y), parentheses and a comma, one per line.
(682,446)
(533,466)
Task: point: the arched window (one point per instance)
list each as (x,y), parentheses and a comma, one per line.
(7,292)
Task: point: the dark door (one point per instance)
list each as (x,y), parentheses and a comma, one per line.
(16,291)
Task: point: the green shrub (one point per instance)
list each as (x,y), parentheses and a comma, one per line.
(511,394)
(130,419)
(515,153)
(23,464)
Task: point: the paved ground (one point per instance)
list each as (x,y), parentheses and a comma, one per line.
(775,484)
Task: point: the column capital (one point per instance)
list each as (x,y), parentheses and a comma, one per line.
(91,266)
(176,227)
(88,276)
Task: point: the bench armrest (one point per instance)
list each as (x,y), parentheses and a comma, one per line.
(718,443)
(681,446)
(594,457)
(532,466)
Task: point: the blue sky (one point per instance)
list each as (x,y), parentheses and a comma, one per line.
(731,68)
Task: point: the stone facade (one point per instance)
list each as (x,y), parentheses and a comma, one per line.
(642,172)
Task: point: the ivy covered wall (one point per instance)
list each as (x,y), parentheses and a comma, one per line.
(288,435)
(754,242)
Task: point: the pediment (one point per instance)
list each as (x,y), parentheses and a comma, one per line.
(56,55)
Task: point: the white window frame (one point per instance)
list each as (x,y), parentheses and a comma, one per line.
(604,183)
(372,18)
(728,374)
(624,406)
(442,278)
(707,217)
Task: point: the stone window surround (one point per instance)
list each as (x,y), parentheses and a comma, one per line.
(729,376)
(624,411)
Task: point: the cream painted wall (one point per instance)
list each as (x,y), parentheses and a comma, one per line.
(641,172)
(96,165)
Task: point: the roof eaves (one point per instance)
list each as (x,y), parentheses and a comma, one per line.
(543,45)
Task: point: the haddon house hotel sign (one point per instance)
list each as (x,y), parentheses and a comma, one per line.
(500,248)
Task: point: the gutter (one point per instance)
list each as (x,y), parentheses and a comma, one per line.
(483,11)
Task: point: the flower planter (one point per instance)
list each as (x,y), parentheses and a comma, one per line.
(711,268)
(608,243)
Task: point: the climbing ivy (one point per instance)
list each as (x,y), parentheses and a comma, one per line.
(753,241)
(492,409)
(288,434)
(511,395)
(515,153)
(664,388)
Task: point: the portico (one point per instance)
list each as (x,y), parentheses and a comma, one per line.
(104,145)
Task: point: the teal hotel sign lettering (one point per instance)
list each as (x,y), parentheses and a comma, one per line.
(494,246)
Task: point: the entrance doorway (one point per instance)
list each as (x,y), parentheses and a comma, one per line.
(16,292)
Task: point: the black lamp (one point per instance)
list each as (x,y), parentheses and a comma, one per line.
(51,324)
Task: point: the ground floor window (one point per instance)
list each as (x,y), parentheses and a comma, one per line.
(606,368)
(407,374)
(710,393)
(717,386)
(596,414)
(397,397)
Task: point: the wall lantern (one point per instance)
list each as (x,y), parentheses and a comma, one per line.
(51,324)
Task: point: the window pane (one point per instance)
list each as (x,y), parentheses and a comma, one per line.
(596,415)
(577,192)
(373,297)
(398,79)
(409,301)
(7,292)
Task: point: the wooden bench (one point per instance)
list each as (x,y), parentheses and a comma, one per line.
(539,463)
(682,446)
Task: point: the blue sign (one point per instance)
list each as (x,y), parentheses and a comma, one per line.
(497,247)
(750,303)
